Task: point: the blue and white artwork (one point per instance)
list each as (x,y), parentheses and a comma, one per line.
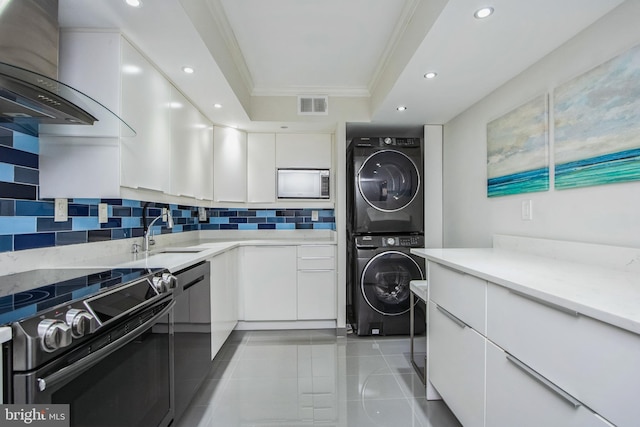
(597,125)
(518,150)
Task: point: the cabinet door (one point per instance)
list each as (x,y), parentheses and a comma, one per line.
(519,396)
(303,151)
(261,167)
(316,294)
(146,104)
(269,283)
(229,165)
(192,150)
(456,365)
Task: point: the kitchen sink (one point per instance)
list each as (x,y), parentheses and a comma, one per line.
(178,251)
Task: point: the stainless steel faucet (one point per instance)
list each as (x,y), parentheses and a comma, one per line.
(148,235)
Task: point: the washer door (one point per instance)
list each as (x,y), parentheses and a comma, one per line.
(388,180)
(385,282)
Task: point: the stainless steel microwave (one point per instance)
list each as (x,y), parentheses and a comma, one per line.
(303,184)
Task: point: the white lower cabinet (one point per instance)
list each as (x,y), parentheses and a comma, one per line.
(516,395)
(269,282)
(456,365)
(224,298)
(316,282)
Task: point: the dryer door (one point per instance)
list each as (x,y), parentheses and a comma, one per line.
(384,282)
(388,180)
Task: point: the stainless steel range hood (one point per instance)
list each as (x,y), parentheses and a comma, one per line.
(30,94)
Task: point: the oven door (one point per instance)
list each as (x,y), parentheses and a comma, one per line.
(127,381)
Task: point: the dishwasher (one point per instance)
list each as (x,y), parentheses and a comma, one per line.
(192,332)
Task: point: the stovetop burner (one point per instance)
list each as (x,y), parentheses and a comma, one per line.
(25,294)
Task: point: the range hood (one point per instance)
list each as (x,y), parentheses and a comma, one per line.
(30,94)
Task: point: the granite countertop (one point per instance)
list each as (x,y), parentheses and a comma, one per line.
(607,294)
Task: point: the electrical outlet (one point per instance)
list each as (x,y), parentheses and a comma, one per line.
(164,214)
(61,211)
(103,213)
(314,215)
(527,210)
(202,214)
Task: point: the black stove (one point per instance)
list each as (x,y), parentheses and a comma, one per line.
(26,294)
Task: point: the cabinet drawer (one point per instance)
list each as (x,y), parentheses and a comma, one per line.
(459,293)
(305,251)
(456,365)
(595,362)
(517,396)
(316,257)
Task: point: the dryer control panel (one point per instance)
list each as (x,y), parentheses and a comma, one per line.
(388,142)
(390,241)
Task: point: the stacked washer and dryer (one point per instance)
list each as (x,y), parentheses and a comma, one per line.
(386,220)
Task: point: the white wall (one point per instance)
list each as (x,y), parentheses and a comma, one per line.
(607,214)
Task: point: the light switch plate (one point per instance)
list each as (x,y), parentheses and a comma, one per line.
(103,213)
(61,211)
(314,215)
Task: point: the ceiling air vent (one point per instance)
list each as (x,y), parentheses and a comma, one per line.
(313,104)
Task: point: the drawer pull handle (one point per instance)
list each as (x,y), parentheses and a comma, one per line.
(452,317)
(545,382)
(546,303)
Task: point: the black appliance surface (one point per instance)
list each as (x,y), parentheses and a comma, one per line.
(386,192)
(96,340)
(383,269)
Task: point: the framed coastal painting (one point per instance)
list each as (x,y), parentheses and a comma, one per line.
(597,125)
(518,150)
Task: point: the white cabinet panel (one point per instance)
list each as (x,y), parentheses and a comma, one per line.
(269,285)
(316,294)
(261,167)
(518,396)
(146,100)
(229,165)
(192,150)
(459,293)
(303,150)
(456,365)
(224,298)
(595,362)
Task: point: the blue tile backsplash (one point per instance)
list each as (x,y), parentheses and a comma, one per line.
(26,222)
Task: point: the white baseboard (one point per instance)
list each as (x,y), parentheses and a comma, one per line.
(294,324)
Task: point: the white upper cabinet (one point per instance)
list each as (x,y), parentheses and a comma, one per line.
(303,151)
(191,150)
(261,167)
(229,165)
(146,104)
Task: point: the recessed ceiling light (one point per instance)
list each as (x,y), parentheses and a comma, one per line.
(401,108)
(134,3)
(483,12)
(430,75)
(188,70)
(217,105)
(131,69)
(175,105)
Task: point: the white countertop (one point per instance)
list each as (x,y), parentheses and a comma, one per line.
(607,294)
(420,288)
(174,260)
(5,334)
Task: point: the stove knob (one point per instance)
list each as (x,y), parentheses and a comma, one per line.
(170,280)
(391,241)
(54,334)
(81,322)
(159,284)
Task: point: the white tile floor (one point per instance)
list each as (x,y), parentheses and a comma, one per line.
(305,378)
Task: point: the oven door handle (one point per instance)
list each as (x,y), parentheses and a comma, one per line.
(93,358)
